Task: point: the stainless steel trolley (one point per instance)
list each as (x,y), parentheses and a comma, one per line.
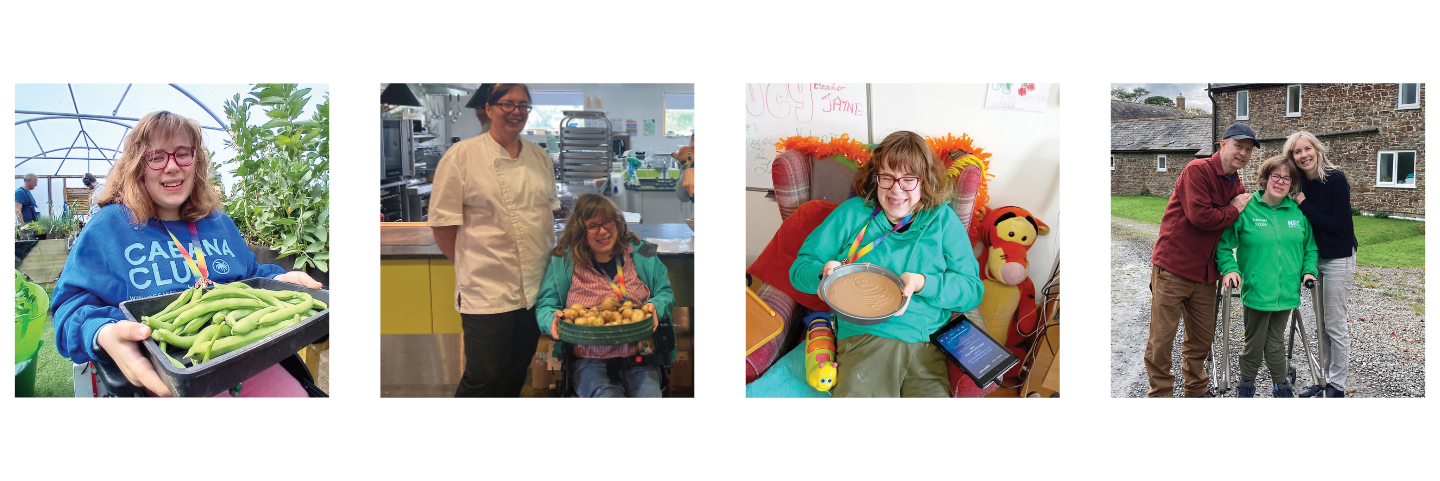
(1220,371)
(585,156)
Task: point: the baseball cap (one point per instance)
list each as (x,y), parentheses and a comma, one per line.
(1238,130)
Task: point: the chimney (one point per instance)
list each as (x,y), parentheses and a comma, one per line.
(1180,101)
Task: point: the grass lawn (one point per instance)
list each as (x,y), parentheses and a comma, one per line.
(54,377)
(1383,242)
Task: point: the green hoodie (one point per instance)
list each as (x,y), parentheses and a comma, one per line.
(934,245)
(1276,250)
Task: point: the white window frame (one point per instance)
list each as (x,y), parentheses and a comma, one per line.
(1161,164)
(1112,161)
(1395,168)
(1246,93)
(556,101)
(1299,102)
(685,99)
(1400,90)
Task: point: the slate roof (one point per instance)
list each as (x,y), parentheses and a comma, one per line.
(1120,110)
(1173,135)
(1223,87)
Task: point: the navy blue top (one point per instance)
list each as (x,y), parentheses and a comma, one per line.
(1327,207)
(28,210)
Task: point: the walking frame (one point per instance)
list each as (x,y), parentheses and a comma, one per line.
(1220,372)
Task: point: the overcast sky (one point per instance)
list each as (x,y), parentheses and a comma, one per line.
(1195,94)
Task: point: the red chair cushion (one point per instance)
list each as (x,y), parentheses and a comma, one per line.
(773,265)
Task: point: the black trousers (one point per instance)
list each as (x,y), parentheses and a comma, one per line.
(498,349)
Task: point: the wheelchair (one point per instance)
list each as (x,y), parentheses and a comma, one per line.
(1220,371)
(662,355)
(98,379)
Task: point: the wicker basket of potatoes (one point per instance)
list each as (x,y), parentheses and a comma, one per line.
(612,322)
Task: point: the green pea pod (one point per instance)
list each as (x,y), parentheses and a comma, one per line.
(287,295)
(179,301)
(174,310)
(236,315)
(210,307)
(164,335)
(315,303)
(177,364)
(251,321)
(224,345)
(285,312)
(154,324)
(183,299)
(230,293)
(267,296)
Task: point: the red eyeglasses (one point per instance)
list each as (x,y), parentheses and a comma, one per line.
(158,159)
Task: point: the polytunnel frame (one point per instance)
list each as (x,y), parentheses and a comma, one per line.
(90,143)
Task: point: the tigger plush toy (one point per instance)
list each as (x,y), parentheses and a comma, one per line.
(1003,239)
(820,363)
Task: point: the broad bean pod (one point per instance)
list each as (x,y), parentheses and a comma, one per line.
(251,321)
(224,345)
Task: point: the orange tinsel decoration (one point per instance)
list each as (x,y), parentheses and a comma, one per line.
(820,149)
(944,146)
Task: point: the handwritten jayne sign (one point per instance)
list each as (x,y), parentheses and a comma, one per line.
(777,111)
(1026,97)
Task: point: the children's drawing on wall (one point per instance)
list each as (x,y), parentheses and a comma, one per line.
(1026,97)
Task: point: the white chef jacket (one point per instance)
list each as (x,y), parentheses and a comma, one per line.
(503,207)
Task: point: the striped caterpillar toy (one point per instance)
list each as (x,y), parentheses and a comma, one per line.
(820,361)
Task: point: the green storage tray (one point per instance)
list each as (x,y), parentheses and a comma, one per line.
(606,335)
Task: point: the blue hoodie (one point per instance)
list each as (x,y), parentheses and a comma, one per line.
(115,261)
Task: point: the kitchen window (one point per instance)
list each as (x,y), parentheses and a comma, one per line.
(679,115)
(1112,161)
(1292,101)
(1395,168)
(550,107)
(1409,96)
(1242,105)
(1159,163)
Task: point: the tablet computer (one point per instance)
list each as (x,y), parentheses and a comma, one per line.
(979,356)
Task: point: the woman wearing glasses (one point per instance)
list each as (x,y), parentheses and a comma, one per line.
(902,219)
(158,188)
(1273,256)
(597,258)
(490,210)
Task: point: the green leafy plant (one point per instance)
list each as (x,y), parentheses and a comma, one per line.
(282,197)
(1382,215)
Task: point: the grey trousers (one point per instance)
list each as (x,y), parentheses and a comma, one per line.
(1336,278)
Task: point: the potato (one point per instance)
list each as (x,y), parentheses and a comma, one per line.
(637,315)
(628,305)
(571,314)
(578,307)
(609,304)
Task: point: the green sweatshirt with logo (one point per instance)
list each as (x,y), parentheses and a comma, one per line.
(1272,248)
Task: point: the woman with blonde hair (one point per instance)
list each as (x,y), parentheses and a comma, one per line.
(1271,252)
(918,236)
(598,257)
(157,194)
(1325,201)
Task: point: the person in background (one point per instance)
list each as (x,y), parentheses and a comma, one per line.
(597,257)
(491,211)
(159,192)
(25,209)
(477,102)
(94,184)
(686,157)
(1325,200)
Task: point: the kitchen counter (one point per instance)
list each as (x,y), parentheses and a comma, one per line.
(414,240)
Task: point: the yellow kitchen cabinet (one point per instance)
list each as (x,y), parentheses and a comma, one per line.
(442,297)
(405,296)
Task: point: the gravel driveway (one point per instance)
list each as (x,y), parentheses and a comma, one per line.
(1387,324)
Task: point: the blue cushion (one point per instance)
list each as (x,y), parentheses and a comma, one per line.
(786,378)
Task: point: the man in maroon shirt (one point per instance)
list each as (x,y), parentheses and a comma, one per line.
(1208,198)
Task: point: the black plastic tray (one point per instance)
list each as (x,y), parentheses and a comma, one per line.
(224,372)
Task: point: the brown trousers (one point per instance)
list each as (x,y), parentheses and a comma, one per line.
(1173,297)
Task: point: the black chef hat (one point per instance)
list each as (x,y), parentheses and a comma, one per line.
(477,101)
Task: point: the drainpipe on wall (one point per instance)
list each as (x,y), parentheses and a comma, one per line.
(1214,117)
